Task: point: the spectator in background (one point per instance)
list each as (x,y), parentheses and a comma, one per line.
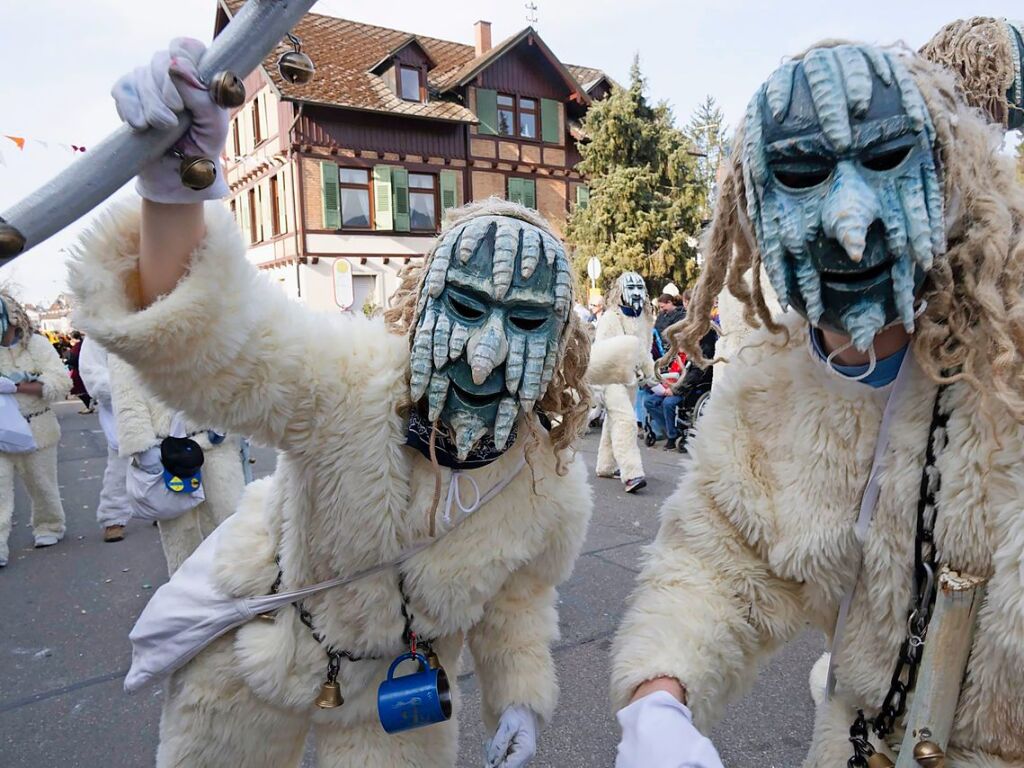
(77,385)
(668,312)
(660,403)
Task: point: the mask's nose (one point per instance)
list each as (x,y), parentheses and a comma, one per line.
(850,209)
(487,348)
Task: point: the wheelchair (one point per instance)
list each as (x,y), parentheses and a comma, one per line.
(689,410)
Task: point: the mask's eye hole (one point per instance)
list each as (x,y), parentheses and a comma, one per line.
(527,323)
(802,178)
(464,310)
(886,161)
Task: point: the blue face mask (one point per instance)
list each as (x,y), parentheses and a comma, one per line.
(1015,93)
(843,188)
(493,310)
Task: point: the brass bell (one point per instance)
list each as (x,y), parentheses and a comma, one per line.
(878,760)
(295,66)
(12,242)
(227,90)
(197,172)
(330,695)
(433,661)
(928,754)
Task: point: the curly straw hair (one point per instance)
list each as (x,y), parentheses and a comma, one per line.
(17,315)
(980,53)
(972,328)
(566,401)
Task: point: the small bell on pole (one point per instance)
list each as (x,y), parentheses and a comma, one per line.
(928,754)
(197,172)
(295,66)
(227,90)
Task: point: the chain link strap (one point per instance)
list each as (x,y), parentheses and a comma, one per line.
(904,676)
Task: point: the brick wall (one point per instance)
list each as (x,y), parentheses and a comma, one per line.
(311,193)
(551,202)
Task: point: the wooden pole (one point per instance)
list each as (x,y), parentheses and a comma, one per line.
(947,648)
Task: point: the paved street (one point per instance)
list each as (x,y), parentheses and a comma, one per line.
(68,610)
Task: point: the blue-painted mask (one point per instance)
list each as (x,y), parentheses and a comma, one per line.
(1015,94)
(493,310)
(633,290)
(843,189)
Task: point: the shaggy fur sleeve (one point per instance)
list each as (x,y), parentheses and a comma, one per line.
(135,429)
(50,368)
(511,645)
(226,346)
(707,606)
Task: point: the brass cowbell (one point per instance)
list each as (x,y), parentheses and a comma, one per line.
(330,695)
(878,760)
(928,754)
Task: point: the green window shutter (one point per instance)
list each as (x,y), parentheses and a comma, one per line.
(332,204)
(549,110)
(515,191)
(400,185)
(582,196)
(529,187)
(382,218)
(449,191)
(487,111)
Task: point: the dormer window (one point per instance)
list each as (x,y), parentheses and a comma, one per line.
(409,86)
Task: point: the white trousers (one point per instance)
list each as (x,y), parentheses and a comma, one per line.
(114,508)
(618,447)
(38,471)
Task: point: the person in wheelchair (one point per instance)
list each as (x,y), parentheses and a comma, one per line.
(672,408)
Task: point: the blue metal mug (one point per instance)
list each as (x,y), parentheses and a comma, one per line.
(412,701)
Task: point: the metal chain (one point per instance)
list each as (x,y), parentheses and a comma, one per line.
(334,656)
(904,676)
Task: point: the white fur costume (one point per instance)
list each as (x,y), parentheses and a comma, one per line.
(93,366)
(618,447)
(38,469)
(229,347)
(143,420)
(758,540)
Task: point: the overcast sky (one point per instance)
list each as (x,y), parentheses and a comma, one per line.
(60,57)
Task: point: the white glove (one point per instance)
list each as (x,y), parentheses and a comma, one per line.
(149,460)
(515,740)
(149,97)
(658,732)
(7,387)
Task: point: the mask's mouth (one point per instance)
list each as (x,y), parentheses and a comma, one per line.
(861,278)
(475,399)
(838,271)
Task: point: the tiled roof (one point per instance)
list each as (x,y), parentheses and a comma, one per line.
(587,77)
(345,51)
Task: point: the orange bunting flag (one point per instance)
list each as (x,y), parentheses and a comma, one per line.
(20,141)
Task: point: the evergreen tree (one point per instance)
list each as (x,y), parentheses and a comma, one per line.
(708,135)
(645,196)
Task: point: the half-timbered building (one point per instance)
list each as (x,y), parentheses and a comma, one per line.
(340,182)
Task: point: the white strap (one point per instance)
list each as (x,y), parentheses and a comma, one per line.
(264,603)
(868,503)
(177,428)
